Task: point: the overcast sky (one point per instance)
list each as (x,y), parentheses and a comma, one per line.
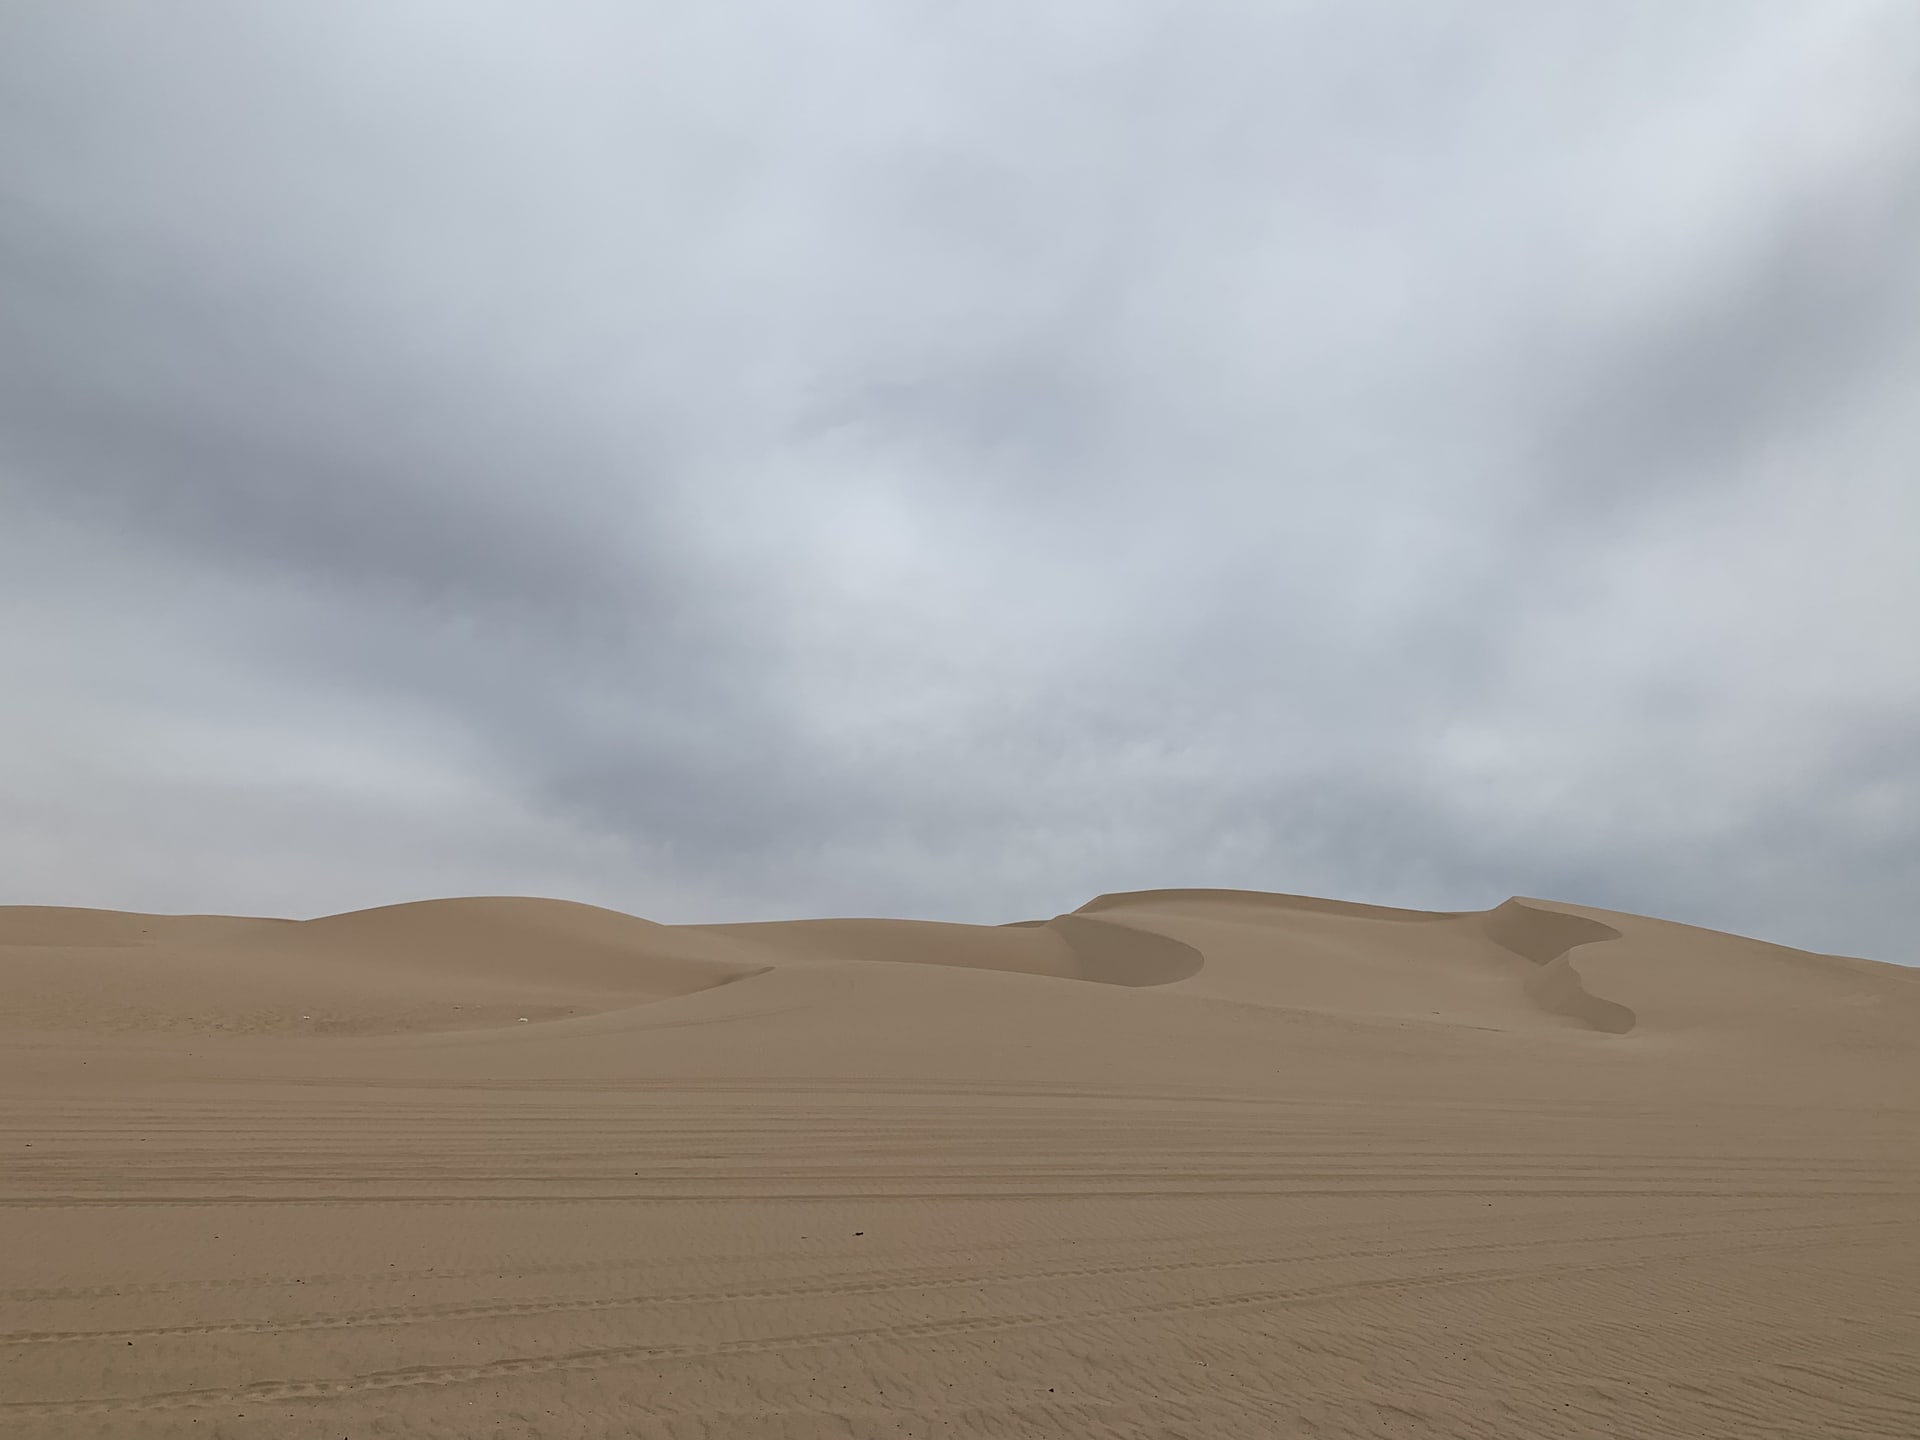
(740,460)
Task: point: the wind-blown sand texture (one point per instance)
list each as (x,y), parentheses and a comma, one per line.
(1182,1163)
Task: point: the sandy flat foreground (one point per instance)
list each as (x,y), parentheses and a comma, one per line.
(1183,1163)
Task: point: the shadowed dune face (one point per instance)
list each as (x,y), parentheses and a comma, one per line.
(1542,936)
(1735,993)
(1548,938)
(1120,955)
(1503,968)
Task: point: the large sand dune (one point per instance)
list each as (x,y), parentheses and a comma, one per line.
(1180,1163)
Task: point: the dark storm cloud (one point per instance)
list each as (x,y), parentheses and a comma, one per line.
(216,425)
(955,462)
(1822,303)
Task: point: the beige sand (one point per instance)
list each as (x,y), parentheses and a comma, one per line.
(1185,1163)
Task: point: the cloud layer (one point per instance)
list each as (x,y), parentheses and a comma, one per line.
(881,458)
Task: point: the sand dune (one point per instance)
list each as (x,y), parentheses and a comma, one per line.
(1181,1162)
(437,964)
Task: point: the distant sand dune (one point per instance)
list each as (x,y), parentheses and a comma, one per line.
(435,964)
(462,963)
(1265,900)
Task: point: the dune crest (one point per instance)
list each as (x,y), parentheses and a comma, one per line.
(1262,899)
(485,961)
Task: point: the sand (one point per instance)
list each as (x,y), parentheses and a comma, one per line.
(1183,1163)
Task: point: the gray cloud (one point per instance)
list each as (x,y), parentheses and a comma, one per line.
(899,460)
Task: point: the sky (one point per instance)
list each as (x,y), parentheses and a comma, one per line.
(742,460)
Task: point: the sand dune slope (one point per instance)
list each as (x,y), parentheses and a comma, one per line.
(1181,1162)
(1509,967)
(438,964)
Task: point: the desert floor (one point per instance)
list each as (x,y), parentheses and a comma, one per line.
(1180,1164)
